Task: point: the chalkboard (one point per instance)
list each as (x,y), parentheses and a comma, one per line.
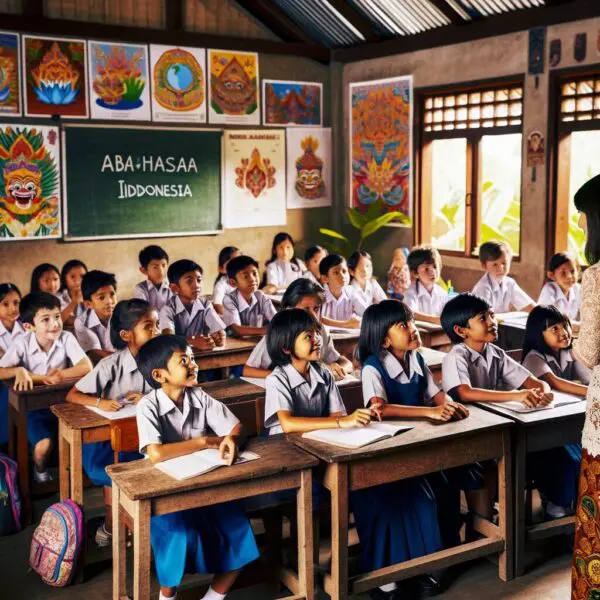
(140,182)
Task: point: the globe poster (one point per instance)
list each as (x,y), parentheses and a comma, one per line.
(178,84)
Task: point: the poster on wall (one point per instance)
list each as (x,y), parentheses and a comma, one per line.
(178,84)
(233,88)
(10,83)
(55,77)
(30,168)
(292,103)
(254,178)
(381,144)
(119,87)
(308,167)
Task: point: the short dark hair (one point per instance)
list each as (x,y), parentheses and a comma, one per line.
(180,267)
(7,288)
(225,255)
(423,255)
(126,314)
(587,201)
(283,330)
(330,261)
(239,263)
(94,280)
(156,353)
(310,252)
(355,257)
(377,320)
(152,252)
(493,250)
(70,264)
(300,288)
(38,272)
(34,302)
(458,311)
(559,259)
(540,318)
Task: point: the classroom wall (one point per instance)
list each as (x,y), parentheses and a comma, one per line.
(120,256)
(481,59)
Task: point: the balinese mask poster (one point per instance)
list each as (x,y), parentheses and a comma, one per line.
(10,84)
(292,103)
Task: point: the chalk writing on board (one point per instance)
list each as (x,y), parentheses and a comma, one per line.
(129,190)
(117,163)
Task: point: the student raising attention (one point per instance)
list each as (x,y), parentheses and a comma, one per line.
(562,290)
(283,267)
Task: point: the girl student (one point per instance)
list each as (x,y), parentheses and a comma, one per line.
(547,355)
(562,289)
(45,278)
(360,266)
(71,298)
(221,287)
(114,381)
(312,259)
(305,294)
(283,267)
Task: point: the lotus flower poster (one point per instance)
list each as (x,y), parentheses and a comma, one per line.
(30,196)
(178,84)
(308,167)
(10,83)
(55,77)
(254,177)
(381,144)
(119,87)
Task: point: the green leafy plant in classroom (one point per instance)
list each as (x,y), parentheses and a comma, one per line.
(576,239)
(499,221)
(447,232)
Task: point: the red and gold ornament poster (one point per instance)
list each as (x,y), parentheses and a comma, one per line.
(10,82)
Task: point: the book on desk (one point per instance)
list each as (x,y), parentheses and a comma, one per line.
(560,399)
(356,437)
(126,412)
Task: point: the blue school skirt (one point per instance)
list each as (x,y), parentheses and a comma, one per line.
(3,415)
(97,456)
(212,539)
(396,522)
(41,424)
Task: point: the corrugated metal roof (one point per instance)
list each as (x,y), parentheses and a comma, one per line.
(487,8)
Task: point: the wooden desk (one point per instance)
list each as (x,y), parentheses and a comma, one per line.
(235,351)
(433,336)
(535,431)
(345,343)
(424,449)
(142,491)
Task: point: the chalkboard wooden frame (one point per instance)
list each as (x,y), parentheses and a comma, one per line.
(120,126)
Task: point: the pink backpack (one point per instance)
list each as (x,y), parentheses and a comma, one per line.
(10,500)
(57,543)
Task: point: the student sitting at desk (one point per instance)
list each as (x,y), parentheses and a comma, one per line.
(283,267)
(562,289)
(11,327)
(154,262)
(45,354)
(362,281)
(221,286)
(312,259)
(175,419)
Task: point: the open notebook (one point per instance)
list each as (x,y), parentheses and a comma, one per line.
(560,399)
(127,411)
(513,319)
(197,463)
(356,437)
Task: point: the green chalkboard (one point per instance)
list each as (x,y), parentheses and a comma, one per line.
(140,182)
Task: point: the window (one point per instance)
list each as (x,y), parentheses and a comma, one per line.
(471,167)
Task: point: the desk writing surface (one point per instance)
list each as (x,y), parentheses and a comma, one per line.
(233,390)
(140,480)
(38,390)
(77,416)
(539,416)
(422,433)
(232,344)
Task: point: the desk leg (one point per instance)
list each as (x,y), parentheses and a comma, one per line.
(505,503)
(306,576)
(76,467)
(119,548)
(519,499)
(141,550)
(12,432)
(64,455)
(23,462)
(339,531)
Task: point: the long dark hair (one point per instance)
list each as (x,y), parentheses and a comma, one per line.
(299,289)
(539,319)
(283,330)
(126,314)
(354,259)
(38,272)
(587,201)
(7,288)
(225,256)
(282,236)
(70,264)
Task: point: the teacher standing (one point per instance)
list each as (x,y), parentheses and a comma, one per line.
(586,552)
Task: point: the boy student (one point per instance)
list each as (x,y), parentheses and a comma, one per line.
(154,262)
(92,330)
(44,354)
(343,307)
(424,296)
(187,313)
(500,291)
(247,311)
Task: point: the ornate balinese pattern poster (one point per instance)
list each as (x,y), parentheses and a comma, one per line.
(381,144)
(55,77)
(308,167)
(233,88)
(178,84)
(254,176)
(119,85)
(292,103)
(10,83)
(30,196)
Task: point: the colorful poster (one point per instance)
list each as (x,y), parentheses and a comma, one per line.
(178,84)
(10,84)
(119,87)
(233,88)
(55,77)
(254,176)
(292,103)
(30,196)
(308,167)
(381,139)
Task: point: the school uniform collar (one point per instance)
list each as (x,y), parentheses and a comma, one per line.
(128,361)
(345,295)
(368,285)
(296,379)
(33,346)
(166,405)
(242,303)
(569,297)
(17,329)
(163,286)
(394,367)
(91,320)
(489,353)
(497,286)
(422,290)
(564,359)
(197,306)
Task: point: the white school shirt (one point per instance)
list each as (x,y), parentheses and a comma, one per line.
(569,305)
(159,421)
(372,294)
(282,273)
(7,338)
(258,313)
(566,366)
(420,300)
(156,297)
(374,385)
(201,320)
(500,295)
(308,275)
(286,389)
(341,309)
(91,333)
(220,289)
(65,299)
(26,352)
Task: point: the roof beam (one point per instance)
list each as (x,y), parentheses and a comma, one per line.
(509,22)
(356,19)
(33,8)
(174,15)
(449,12)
